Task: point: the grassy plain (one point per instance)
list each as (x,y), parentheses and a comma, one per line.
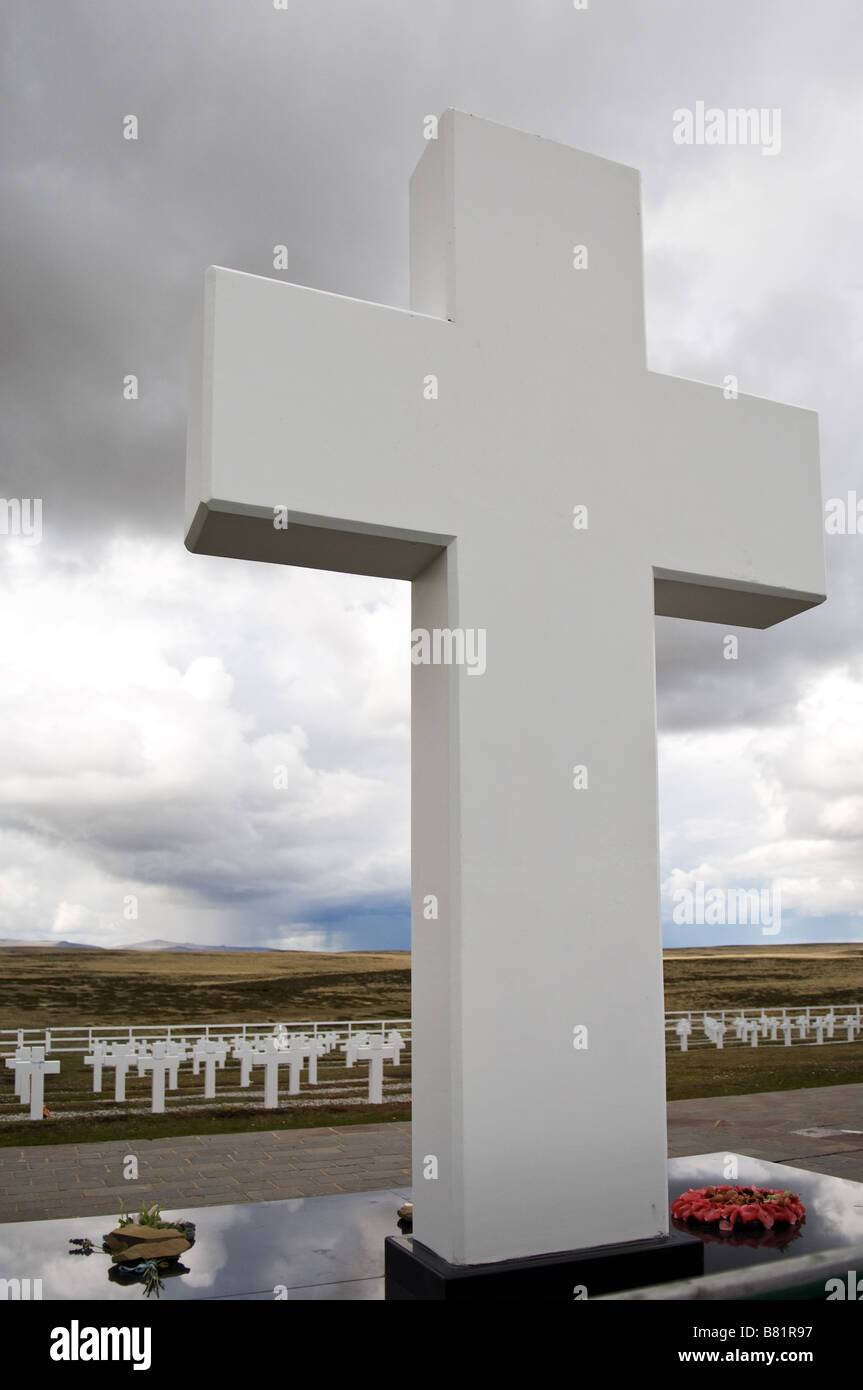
(53,986)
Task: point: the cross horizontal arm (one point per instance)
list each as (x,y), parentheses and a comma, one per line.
(737,532)
(291,379)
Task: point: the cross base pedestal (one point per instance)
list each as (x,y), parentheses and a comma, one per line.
(413,1272)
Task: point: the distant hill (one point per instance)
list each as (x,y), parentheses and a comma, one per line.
(28,945)
(157,945)
(154,945)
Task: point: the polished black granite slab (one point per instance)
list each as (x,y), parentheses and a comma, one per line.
(332,1248)
(413,1273)
(834,1219)
(834,1211)
(329,1248)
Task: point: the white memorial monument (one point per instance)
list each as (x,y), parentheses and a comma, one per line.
(503,446)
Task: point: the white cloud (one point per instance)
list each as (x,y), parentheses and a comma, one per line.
(132,735)
(785,807)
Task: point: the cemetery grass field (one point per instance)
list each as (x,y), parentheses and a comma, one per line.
(219,1120)
(57,986)
(746,977)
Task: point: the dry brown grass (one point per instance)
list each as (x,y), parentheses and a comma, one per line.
(56,986)
(728,977)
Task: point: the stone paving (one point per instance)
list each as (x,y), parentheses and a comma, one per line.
(773,1125)
(49,1181)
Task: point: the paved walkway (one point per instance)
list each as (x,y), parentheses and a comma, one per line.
(50,1181)
(820,1128)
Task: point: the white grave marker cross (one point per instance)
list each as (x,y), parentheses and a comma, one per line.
(121,1056)
(271,1057)
(160,1063)
(34,1070)
(211,1054)
(376,1051)
(245,1052)
(96,1060)
(21,1075)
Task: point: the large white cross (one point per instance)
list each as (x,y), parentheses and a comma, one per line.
(450,445)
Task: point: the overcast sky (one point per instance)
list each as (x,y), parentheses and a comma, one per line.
(148,694)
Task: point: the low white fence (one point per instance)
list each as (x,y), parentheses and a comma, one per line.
(78,1038)
(809,1024)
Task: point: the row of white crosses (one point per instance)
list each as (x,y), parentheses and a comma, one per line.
(828,1023)
(310,1049)
(295,1051)
(30,1068)
(714,1029)
(298,1050)
(753,1029)
(162,1060)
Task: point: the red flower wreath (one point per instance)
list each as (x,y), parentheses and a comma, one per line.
(729,1206)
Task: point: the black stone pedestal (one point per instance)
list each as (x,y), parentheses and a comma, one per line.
(415,1272)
